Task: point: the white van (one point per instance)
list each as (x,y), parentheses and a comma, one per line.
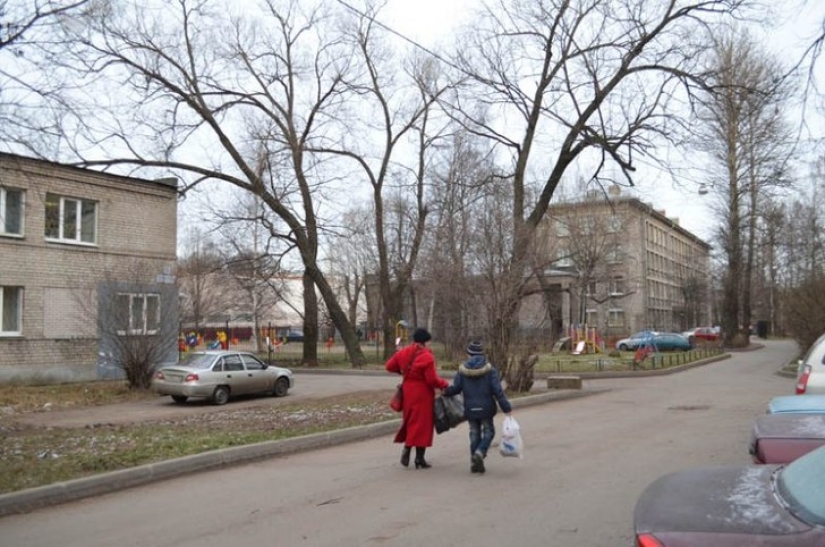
(810,376)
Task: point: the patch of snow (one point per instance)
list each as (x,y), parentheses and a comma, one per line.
(751,502)
(809,426)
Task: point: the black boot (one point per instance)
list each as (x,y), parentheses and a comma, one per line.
(405,456)
(420,462)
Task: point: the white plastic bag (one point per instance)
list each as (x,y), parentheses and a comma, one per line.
(511,445)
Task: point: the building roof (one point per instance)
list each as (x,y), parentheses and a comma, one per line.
(635,203)
(165,182)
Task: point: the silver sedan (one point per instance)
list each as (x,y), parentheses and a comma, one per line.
(220,374)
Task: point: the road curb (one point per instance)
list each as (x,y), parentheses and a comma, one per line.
(28,500)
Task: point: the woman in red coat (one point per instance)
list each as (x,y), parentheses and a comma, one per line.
(417,365)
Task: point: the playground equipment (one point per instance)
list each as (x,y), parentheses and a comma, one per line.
(584,339)
(646,348)
(401,333)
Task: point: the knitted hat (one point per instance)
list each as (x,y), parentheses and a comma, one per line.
(421,335)
(475,348)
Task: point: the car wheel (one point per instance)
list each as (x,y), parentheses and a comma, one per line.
(179,398)
(221,395)
(281,387)
(623,347)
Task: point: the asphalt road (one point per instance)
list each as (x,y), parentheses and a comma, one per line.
(586,461)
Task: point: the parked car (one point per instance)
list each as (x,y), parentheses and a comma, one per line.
(219,375)
(736,506)
(810,377)
(671,341)
(797,404)
(632,342)
(704,334)
(660,341)
(783,437)
(293,336)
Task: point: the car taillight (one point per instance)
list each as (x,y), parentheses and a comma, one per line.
(192,377)
(646,540)
(159,375)
(802,384)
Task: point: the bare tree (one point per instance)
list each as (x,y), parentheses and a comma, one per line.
(400,120)
(135,319)
(198,269)
(252,260)
(352,258)
(23,25)
(746,137)
(217,94)
(585,84)
(448,282)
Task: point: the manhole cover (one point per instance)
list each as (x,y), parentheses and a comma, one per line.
(689,407)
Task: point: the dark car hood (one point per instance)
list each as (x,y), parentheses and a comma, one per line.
(734,500)
(785,426)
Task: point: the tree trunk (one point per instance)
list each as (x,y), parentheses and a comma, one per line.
(339,317)
(310,322)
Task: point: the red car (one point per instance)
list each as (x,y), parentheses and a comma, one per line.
(707,334)
(736,506)
(784,437)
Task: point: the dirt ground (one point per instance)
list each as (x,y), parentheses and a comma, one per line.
(313,387)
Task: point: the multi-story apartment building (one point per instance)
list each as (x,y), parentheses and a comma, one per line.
(619,265)
(80,252)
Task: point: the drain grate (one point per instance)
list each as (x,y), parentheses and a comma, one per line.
(689,407)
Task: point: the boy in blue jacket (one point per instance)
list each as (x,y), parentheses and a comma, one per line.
(480,384)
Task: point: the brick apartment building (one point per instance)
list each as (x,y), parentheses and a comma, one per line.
(75,244)
(621,266)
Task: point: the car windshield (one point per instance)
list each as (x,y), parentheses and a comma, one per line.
(802,483)
(815,352)
(198,361)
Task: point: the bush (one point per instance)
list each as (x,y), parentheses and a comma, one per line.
(805,311)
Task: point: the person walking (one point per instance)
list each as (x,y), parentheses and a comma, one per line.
(416,364)
(478,380)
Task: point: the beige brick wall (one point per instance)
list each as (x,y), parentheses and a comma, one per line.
(136,233)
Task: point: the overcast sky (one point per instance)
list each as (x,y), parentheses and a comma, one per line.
(794,26)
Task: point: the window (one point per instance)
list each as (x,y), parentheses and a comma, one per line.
(614,224)
(72,220)
(591,317)
(232,363)
(563,260)
(591,288)
(614,254)
(617,285)
(11,306)
(11,212)
(252,363)
(138,313)
(562,229)
(615,318)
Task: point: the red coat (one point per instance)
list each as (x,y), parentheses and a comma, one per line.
(419,385)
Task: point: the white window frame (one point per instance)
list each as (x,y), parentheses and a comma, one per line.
(4,211)
(138,314)
(68,207)
(617,286)
(5,329)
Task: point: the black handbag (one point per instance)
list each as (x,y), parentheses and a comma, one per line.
(448,412)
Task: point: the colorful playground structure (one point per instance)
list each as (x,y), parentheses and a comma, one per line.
(584,339)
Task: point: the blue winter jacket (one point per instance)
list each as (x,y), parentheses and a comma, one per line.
(480,384)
